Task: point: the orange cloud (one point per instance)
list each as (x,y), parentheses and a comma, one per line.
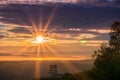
(100,30)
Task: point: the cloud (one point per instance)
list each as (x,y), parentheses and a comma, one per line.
(66,16)
(76,27)
(23,30)
(101,37)
(63,34)
(5,54)
(112,3)
(3,34)
(70,21)
(54,1)
(100,30)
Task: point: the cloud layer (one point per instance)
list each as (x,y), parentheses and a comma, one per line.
(75,27)
(66,16)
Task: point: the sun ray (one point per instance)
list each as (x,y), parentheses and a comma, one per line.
(40,21)
(38,40)
(49,32)
(37,69)
(34,26)
(42,50)
(24,49)
(37,63)
(33,49)
(41,47)
(49,20)
(23,23)
(72,68)
(30,30)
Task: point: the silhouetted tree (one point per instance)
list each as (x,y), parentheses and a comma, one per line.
(82,76)
(68,76)
(107,59)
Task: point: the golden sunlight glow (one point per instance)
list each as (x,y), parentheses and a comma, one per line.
(39,48)
(39,59)
(38,40)
(83,42)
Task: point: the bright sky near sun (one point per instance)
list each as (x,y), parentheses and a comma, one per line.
(70,32)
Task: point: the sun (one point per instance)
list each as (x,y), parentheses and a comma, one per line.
(39,59)
(38,40)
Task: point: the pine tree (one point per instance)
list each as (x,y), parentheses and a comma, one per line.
(107,59)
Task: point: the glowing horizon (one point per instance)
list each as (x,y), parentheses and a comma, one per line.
(18,58)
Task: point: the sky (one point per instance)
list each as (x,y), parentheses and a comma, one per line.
(71,31)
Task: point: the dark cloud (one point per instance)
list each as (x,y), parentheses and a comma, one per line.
(99,37)
(82,31)
(24,30)
(20,30)
(5,54)
(3,34)
(67,15)
(111,3)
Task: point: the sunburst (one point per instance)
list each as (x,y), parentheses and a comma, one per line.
(40,39)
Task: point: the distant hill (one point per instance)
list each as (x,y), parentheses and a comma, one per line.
(24,70)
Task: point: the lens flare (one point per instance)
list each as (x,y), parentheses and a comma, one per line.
(38,40)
